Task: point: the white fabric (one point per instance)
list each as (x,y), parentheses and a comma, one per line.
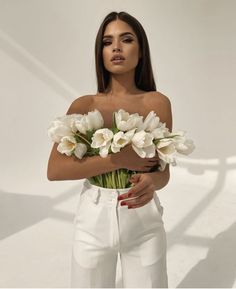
(103,229)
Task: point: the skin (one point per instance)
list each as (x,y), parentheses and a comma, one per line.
(122,92)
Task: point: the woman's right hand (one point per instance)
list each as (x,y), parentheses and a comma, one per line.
(127,158)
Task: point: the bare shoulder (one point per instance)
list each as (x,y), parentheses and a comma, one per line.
(81,104)
(156,97)
(161,104)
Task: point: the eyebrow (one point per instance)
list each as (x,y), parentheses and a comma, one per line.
(121,34)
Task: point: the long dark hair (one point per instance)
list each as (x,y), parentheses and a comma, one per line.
(144,79)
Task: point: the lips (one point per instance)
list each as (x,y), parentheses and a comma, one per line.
(117,57)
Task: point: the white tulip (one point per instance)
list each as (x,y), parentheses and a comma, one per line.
(67,145)
(125,121)
(160,131)
(142,143)
(91,121)
(166,151)
(162,165)
(102,139)
(168,147)
(185,147)
(62,126)
(151,122)
(142,139)
(121,139)
(178,134)
(95,120)
(164,142)
(82,125)
(69,120)
(58,130)
(145,152)
(103,152)
(80,150)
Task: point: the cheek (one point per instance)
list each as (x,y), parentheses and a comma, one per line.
(134,55)
(105,56)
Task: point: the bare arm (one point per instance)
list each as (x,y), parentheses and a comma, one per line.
(62,167)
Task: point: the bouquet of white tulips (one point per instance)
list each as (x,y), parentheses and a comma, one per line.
(83,135)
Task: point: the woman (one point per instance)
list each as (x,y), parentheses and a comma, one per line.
(127,221)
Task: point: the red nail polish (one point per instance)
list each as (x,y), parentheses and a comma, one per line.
(123,204)
(120,198)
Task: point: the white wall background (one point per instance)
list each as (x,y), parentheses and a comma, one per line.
(46,61)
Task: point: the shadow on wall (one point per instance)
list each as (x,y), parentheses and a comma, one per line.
(36,67)
(19,212)
(218,269)
(177,233)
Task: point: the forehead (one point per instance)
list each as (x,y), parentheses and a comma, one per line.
(116,27)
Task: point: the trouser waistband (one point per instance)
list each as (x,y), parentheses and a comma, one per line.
(102,194)
(107,195)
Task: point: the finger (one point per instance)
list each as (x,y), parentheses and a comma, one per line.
(145,194)
(139,204)
(137,201)
(134,191)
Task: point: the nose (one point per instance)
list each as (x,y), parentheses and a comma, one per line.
(116,49)
(116,46)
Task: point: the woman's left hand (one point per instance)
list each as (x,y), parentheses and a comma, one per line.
(143,191)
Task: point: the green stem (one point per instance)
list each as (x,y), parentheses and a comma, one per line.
(83,138)
(118,179)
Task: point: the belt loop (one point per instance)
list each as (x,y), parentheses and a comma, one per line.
(96,196)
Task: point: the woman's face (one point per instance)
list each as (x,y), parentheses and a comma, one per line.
(119,38)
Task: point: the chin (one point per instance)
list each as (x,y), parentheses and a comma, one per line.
(120,70)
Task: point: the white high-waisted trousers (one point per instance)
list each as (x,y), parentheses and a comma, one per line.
(103,229)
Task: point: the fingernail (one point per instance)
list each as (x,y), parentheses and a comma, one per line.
(123,204)
(119,198)
(129,194)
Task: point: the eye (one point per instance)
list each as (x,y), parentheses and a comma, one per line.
(105,43)
(128,40)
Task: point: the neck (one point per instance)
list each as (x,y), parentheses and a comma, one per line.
(122,85)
